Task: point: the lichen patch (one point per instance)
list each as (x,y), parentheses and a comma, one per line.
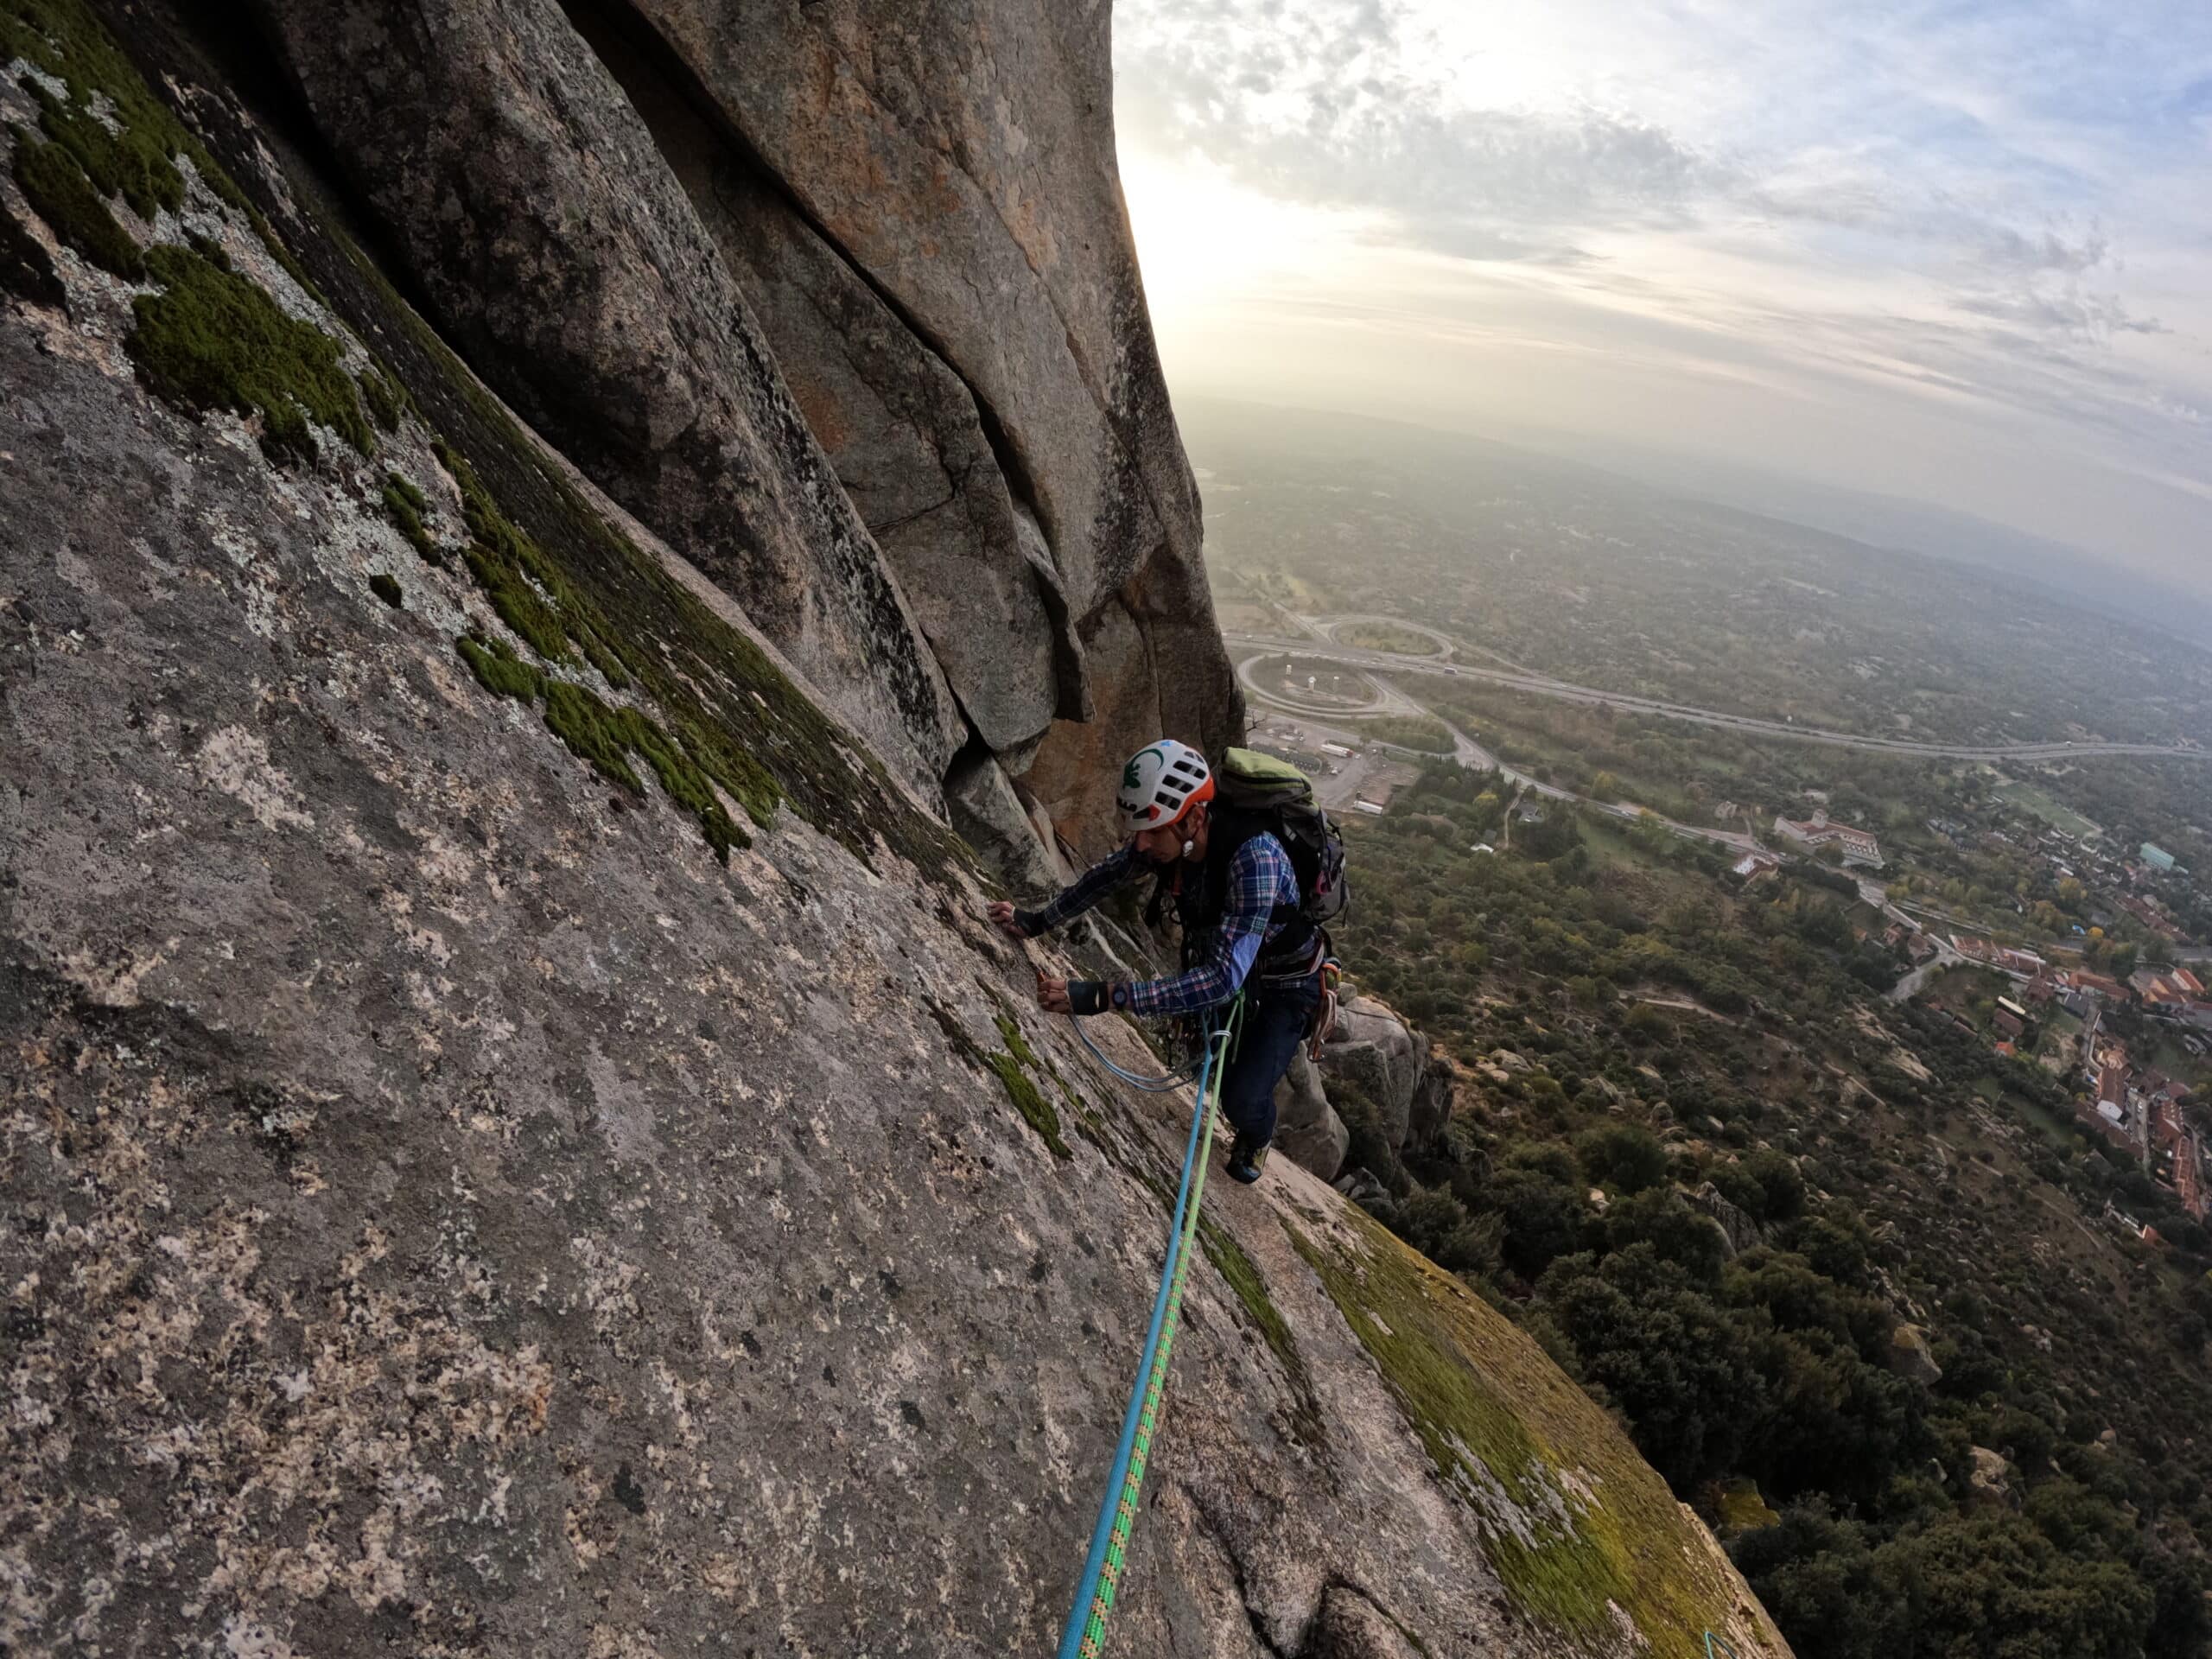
(237,762)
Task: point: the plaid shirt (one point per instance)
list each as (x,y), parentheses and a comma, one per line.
(1261,883)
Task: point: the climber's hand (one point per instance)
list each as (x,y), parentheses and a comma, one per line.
(1007,920)
(1052,994)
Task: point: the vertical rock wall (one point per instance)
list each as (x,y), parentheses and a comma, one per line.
(729,257)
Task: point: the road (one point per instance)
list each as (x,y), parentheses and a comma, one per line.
(1466,751)
(1543,685)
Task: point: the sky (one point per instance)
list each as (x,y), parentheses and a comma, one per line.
(1959,253)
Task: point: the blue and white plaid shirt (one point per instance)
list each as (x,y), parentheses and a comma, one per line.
(1261,883)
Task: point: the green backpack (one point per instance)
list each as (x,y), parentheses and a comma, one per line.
(1280,796)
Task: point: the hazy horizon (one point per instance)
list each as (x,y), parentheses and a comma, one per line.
(1942,254)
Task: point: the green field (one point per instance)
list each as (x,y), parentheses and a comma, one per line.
(2030,799)
(1388,636)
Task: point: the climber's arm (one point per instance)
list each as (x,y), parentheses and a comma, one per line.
(1100,881)
(1256,875)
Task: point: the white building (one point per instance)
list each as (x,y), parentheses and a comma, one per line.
(1857,846)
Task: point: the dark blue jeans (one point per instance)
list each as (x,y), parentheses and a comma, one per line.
(1276,1022)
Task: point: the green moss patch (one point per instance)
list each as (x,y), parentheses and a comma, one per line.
(1238,1273)
(498,669)
(387,590)
(213,339)
(1010,1066)
(607,737)
(132,154)
(1015,1067)
(386,400)
(1573,1519)
(58,191)
(131,160)
(404,505)
(25,268)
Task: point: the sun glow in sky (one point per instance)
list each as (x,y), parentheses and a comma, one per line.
(1958,252)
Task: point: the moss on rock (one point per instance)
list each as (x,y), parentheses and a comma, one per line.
(1573,1536)
(1242,1278)
(213,339)
(58,191)
(498,669)
(26,270)
(131,154)
(404,505)
(385,399)
(594,731)
(730,722)
(1013,1068)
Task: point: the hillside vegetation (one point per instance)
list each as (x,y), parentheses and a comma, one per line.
(1840,1288)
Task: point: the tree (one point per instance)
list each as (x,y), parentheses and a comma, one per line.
(1994,1584)
(1626,1156)
(1665,1353)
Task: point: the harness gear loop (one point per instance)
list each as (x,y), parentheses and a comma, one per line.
(1084,1636)
(1324,1011)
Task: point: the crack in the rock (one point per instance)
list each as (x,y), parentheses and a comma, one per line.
(591,19)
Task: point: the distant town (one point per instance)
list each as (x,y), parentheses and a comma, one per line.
(2090,1010)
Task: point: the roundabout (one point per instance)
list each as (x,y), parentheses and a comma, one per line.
(1350,692)
(1329,628)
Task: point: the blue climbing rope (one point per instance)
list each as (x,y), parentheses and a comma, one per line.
(1165,1083)
(1083,1636)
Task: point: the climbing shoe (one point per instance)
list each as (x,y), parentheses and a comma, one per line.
(1247,1157)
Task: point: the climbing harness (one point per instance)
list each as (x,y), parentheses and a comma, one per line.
(1084,1634)
(1164,1084)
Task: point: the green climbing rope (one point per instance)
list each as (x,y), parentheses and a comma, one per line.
(1084,1637)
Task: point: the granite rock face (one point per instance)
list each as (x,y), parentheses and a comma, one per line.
(531,205)
(518,1136)
(959,157)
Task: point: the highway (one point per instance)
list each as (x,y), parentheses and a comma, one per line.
(1381,662)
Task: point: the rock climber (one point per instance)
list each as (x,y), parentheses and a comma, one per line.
(1237,899)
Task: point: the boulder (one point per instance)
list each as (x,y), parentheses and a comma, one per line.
(1989,1484)
(1360,1186)
(1307,1130)
(1430,1108)
(988,813)
(531,207)
(1372,1049)
(1911,1359)
(1736,1225)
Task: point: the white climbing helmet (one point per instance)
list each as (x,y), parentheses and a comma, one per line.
(1162,781)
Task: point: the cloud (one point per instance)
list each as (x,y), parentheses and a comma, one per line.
(1970,207)
(2093,315)
(1325,104)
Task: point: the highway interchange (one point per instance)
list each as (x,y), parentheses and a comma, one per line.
(1321,647)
